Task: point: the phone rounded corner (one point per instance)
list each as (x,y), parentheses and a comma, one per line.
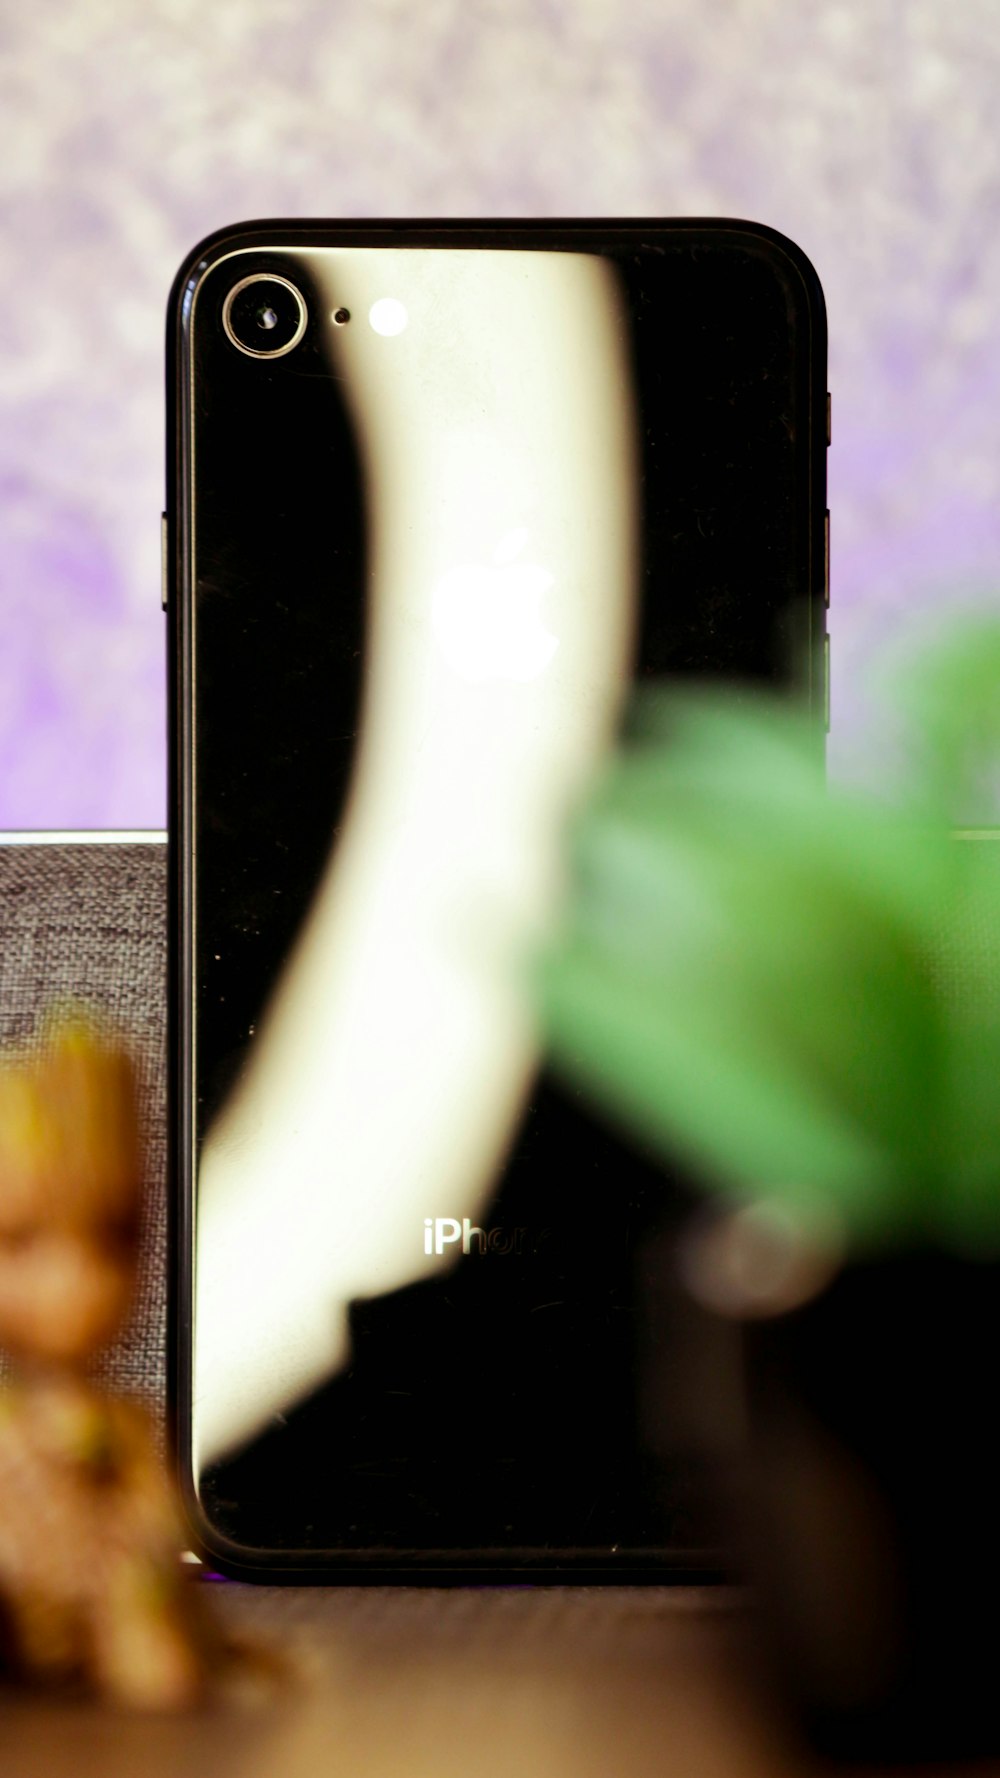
(205,255)
(217,1553)
(781,248)
(190,271)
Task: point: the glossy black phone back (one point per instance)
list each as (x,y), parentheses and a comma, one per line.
(419,562)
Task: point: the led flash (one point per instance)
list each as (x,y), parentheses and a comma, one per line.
(388,315)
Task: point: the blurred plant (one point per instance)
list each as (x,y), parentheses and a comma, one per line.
(794,987)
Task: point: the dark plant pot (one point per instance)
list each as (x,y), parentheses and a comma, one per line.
(869,1490)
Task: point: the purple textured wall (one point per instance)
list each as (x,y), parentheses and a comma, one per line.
(133,127)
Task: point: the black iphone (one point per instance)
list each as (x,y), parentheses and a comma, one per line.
(439,495)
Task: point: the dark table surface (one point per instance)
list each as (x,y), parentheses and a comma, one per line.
(478,1682)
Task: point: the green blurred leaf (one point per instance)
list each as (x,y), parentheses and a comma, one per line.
(782,982)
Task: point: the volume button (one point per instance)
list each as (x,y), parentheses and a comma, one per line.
(826,557)
(164,559)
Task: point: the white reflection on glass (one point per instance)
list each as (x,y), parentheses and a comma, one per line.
(487,616)
(396,1056)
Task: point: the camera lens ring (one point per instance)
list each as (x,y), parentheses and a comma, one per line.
(297,321)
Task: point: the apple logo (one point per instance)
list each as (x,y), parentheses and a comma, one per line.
(486,615)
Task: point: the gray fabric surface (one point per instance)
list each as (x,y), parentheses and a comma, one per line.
(88,922)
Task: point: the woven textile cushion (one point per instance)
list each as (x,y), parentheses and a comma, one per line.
(86,920)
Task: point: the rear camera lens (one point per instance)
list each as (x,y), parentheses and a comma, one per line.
(264,316)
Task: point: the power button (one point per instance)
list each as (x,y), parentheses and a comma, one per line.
(164,559)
